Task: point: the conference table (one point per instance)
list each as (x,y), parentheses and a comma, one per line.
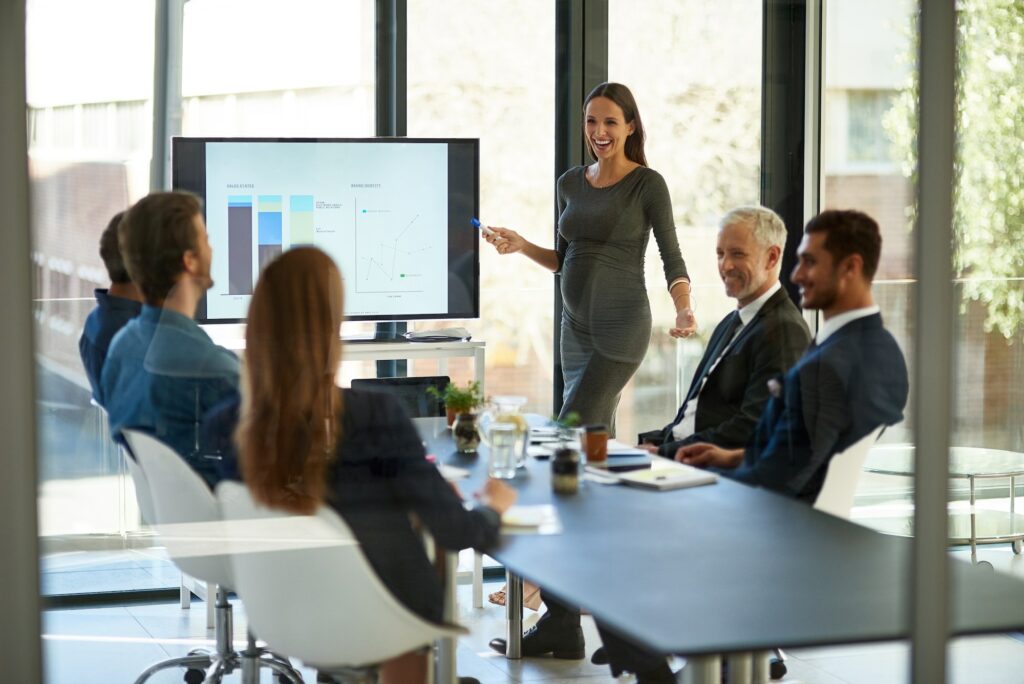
(722,570)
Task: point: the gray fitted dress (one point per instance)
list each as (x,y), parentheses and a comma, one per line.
(606,316)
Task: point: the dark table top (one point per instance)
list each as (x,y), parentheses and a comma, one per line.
(726,567)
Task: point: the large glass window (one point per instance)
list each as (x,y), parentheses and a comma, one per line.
(90,83)
(499,87)
(695,70)
(988,223)
(868,128)
(263,69)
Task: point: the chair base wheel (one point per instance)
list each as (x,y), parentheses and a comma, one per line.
(194,676)
(776,669)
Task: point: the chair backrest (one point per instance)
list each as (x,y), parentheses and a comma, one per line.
(844,471)
(309,591)
(185,512)
(143,497)
(411,392)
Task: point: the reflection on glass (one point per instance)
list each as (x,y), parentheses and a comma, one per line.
(498,87)
(89,152)
(864,85)
(306,71)
(701,102)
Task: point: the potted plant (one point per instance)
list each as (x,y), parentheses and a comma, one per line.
(459,403)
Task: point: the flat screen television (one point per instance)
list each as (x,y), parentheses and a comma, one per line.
(394,213)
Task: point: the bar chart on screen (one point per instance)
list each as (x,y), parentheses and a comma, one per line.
(380,212)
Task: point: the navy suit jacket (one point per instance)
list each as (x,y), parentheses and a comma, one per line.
(839,391)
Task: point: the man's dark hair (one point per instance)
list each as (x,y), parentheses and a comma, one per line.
(154,236)
(849,232)
(110,252)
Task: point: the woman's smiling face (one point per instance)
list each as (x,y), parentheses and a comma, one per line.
(606,128)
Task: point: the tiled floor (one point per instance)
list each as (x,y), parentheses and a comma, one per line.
(114,644)
(86,572)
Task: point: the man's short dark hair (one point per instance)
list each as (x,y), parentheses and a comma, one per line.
(847,232)
(110,252)
(154,236)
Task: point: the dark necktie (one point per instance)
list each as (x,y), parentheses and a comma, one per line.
(731,326)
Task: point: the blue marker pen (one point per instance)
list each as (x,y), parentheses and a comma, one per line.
(483,229)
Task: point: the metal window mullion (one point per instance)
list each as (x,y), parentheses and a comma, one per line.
(391,67)
(167,58)
(390,97)
(813,90)
(19,571)
(784,111)
(929,584)
(581,63)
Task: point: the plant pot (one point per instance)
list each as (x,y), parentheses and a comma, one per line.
(465,434)
(451,415)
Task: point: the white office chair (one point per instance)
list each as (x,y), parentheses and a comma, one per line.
(843,475)
(144,500)
(187,517)
(337,616)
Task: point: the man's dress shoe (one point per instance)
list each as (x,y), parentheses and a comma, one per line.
(545,637)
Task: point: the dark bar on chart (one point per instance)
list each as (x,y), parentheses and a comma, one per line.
(240,244)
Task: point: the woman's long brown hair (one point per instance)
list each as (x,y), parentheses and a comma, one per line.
(289,424)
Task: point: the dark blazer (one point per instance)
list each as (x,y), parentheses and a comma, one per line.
(379,478)
(737,389)
(836,394)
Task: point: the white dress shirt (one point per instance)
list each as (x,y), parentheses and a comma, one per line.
(829,327)
(687,426)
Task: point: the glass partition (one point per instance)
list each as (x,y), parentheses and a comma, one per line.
(700,101)
(255,69)
(499,87)
(89,155)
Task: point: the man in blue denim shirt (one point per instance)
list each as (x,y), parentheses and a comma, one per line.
(114,308)
(163,372)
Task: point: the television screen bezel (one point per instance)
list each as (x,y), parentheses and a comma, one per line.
(201,316)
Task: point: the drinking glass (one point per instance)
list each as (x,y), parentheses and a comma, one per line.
(503,441)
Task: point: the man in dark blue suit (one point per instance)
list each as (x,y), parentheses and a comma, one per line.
(852,380)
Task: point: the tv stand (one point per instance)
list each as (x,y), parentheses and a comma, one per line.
(370,338)
(374,350)
(233,338)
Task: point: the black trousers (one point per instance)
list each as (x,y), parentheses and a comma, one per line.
(623,655)
(560,613)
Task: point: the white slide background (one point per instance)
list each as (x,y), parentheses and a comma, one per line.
(380,210)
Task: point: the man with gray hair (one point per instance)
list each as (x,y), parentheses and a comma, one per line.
(761,339)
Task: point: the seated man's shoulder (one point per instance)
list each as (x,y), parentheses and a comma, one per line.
(177,348)
(128,342)
(785,327)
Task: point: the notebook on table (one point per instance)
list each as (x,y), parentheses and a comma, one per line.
(662,475)
(668,478)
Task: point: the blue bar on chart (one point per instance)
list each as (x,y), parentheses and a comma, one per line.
(269,228)
(300,220)
(240,244)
